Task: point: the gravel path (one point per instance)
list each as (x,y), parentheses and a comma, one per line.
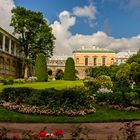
(95,130)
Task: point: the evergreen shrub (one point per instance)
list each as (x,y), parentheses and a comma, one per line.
(69,73)
(41,68)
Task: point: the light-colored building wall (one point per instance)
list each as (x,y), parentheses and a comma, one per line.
(9,55)
(79,59)
(121,57)
(91,57)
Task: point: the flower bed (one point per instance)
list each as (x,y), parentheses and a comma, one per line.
(43,110)
(32,135)
(119,107)
(70,101)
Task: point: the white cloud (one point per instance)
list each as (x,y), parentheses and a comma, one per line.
(62,33)
(86,11)
(5,14)
(66,42)
(102,40)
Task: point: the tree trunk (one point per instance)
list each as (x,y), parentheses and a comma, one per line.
(26,71)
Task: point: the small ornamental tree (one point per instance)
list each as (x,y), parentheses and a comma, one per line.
(69,73)
(41,68)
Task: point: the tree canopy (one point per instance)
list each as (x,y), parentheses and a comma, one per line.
(35,36)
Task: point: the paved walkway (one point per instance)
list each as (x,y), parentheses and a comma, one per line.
(95,130)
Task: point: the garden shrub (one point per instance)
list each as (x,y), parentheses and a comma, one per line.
(8,81)
(32,79)
(41,68)
(76,100)
(19,81)
(69,73)
(131,97)
(1,79)
(11,94)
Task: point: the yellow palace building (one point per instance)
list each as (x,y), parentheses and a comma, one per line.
(91,57)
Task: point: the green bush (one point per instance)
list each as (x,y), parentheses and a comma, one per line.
(69,73)
(32,79)
(8,81)
(11,94)
(19,81)
(131,97)
(1,79)
(71,98)
(41,68)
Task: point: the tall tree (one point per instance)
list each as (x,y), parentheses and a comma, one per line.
(35,36)
(69,73)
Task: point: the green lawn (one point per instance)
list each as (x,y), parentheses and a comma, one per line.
(102,115)
(58,84)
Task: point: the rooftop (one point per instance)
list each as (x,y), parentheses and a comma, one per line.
(93,50)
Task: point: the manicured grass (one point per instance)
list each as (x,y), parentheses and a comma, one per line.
(58,84)
(102,115)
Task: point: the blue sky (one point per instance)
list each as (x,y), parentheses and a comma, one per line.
(111,24)
(115,18)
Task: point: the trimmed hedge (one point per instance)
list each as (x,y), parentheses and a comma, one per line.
(69,73)
(41,68)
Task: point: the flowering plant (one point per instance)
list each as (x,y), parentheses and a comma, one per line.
(32,135)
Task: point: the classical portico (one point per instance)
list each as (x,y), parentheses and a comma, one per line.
(9,55)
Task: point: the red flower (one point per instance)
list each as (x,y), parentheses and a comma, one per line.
(16,137)
(58,133)
(42,134)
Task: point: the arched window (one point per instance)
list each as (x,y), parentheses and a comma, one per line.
(112,61)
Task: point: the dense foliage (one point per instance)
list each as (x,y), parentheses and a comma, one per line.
(124,79)
(35,36)
(41,68)
(70,72)
(70,101)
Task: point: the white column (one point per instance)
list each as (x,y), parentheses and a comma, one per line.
(3,43)
(15,49)
(10,46)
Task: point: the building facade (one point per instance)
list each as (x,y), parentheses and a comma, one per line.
(121,57)
(92,57)
(57,63)
(84,58)
(10,64)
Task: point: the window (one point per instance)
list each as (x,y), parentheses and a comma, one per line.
(12,47)
(86,61)
(1,40)
(77,60)
(112,60)
(95,61)
(103,61)
(7,44)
